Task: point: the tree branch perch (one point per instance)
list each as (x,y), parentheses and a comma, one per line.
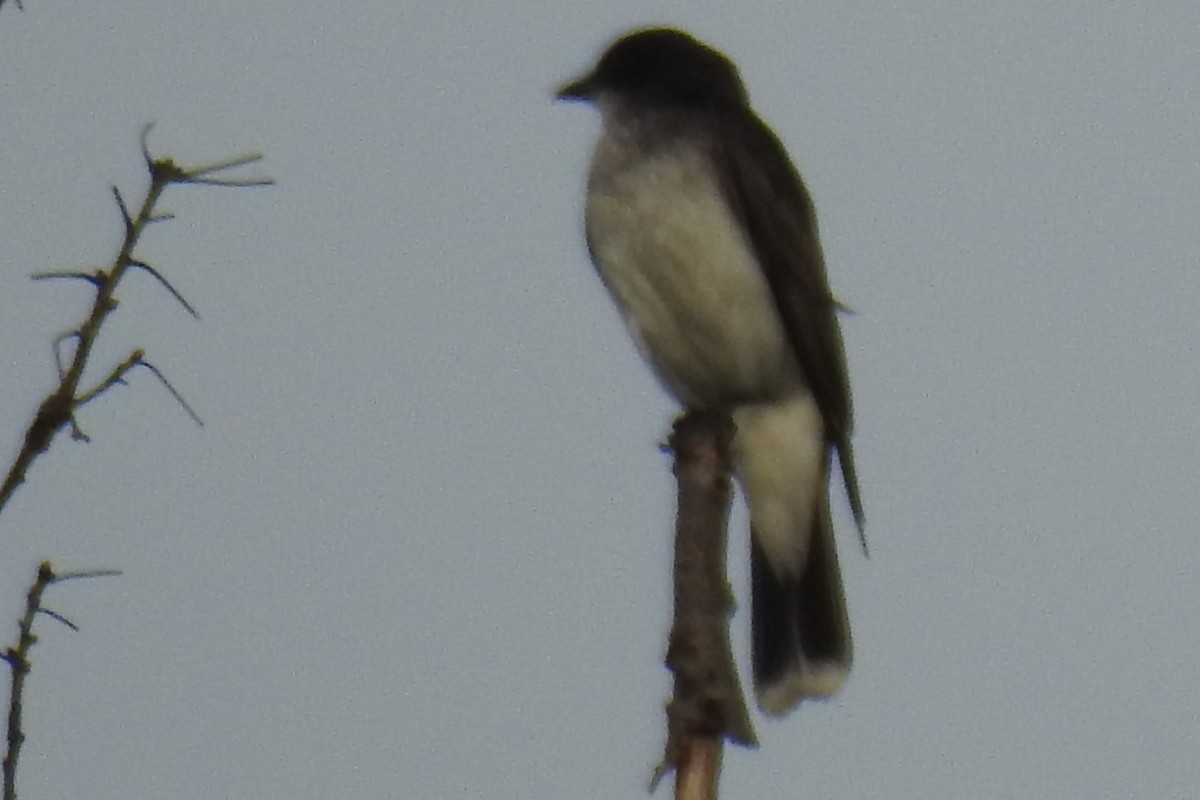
(707,706)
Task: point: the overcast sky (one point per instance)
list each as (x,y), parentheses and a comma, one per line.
(422,546)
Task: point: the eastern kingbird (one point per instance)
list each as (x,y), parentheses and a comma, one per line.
(705,236)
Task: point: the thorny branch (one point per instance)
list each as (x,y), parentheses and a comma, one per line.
(58,408)
(17,658)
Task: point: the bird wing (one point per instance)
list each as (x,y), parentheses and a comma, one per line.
(768,197)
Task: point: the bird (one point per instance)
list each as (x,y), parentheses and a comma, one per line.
(704,234)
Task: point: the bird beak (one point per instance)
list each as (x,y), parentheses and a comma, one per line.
(580,89)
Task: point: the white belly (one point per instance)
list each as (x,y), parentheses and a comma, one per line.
(689,288)
(697,304)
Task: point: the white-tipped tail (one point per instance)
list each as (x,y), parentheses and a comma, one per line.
(801,632)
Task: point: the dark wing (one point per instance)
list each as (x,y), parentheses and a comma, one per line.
(768,196)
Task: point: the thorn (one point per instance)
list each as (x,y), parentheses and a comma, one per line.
(165,170)
(59,617)
(58,361)
(149,126)
(77,433)
(203,175)
(128,220)
(174,392)
(142,265)
(94,278)
(86,574)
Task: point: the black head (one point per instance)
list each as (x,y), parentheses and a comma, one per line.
(663,66)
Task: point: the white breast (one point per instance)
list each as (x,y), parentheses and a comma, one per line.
(676,262)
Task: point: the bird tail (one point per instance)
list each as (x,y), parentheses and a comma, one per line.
(801,632)
(802,646)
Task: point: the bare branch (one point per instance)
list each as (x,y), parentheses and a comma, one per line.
(17,658)
(115,376)
(707,704)
(58,408)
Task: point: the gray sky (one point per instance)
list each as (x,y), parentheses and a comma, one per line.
(421,548)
